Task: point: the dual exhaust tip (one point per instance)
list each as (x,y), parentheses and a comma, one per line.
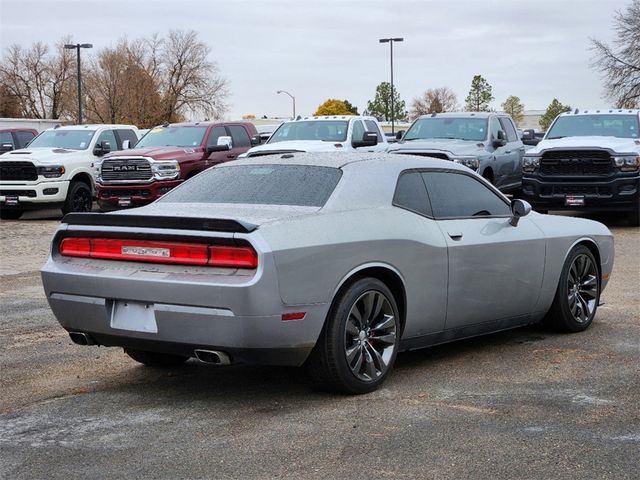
(207,356)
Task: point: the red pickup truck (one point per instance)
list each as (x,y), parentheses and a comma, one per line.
(165,157)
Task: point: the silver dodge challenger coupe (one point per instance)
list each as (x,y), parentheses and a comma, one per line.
(334,262)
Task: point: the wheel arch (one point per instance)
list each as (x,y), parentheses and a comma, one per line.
(487,173)
(387,274)
(593,248)
(85,178)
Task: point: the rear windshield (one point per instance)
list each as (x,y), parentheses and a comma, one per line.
(297,185)
(623,126)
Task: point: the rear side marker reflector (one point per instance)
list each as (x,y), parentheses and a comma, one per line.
(293,316)
(160,252)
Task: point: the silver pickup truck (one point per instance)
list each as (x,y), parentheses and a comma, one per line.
(485,142)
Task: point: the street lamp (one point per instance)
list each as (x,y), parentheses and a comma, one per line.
(390,42)
(78,46)
(293,99)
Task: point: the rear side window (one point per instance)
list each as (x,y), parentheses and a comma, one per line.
(411,194)
(239,136)
(458,195)
(507,126)
(297,185)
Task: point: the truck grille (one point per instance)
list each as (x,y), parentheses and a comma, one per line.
(18,171)
(118,169)
(576,163)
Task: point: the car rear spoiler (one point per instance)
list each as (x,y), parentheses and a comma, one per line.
(151,221)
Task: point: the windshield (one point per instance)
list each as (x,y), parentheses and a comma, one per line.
(472,129)
(68,139)
(297,185)
(324,130)
(173,137)
(623,126)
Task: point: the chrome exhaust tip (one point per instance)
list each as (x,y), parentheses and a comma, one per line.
(212,356)
(80,338)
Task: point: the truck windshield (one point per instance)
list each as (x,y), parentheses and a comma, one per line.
(296,185)
(623,126)
(472,129)
(323,130)
(67,139)
(173,137)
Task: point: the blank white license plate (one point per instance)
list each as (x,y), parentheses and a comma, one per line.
(574,200)
(134,316)
(124,202)
(11,200)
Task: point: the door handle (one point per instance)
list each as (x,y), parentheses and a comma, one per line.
(231,156)
(507,151)
(455,235)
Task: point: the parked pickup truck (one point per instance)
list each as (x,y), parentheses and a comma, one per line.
(588,160)
(324,134)
(485,142)
(57,169)
(165,157)
(15,138)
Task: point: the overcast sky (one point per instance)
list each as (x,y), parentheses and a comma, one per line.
(535,49)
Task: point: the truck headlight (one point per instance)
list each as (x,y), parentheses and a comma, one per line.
(471,162)
(166,169)
(51,171)
(530,163)
(627,163)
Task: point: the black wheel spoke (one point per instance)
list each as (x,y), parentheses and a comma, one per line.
(582,288)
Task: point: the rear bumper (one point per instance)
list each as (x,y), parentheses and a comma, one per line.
(113,197)
(242,319)
(615,194)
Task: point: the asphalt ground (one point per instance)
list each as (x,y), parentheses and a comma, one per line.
(521,404)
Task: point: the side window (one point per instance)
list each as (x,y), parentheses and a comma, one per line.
(373,127)
(109,136)
(216,133)
(127,134)
(358,131)
(508,127)
(24,138)
(411,193)
(460,195)
(494,127)
(239,136)
(5,137)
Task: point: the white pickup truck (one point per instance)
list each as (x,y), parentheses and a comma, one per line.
(56,169)
(341,133)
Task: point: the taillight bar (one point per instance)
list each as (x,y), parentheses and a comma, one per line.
(151,251)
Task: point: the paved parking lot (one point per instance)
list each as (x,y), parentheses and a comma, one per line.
(521,404)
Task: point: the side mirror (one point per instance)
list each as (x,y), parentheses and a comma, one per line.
(224,143)
(399,134)
(256,140)
(528,134)
(519,208)
(6,147)
(126,144)
(501,141)
(369,139)
(102,148)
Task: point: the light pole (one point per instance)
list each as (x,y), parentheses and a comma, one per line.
(78,46)
(293,99)
(390,42)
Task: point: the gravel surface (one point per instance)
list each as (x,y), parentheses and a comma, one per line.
(521,404)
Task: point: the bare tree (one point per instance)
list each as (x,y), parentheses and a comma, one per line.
(190,81)
(434,100)
(620,64)
(37,80)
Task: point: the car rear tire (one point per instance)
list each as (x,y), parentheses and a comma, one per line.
(10,214)
(359,342)
(155,359)
(79,198)
(578,293)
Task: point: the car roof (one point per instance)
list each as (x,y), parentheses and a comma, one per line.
(331,117)
(340,160)
(202,124)
(463,114)
(601,111)
(92,126)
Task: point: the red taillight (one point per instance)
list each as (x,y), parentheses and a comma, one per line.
(160,252)
(293,316)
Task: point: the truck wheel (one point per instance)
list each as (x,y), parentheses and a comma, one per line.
(10,214)
(634,218)
(155,359)
(359,342)
(78,198)
(578,293)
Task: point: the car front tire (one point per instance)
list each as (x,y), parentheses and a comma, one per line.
(578,293)
(155,359)
(359,342)
(79,198)
(10,214)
